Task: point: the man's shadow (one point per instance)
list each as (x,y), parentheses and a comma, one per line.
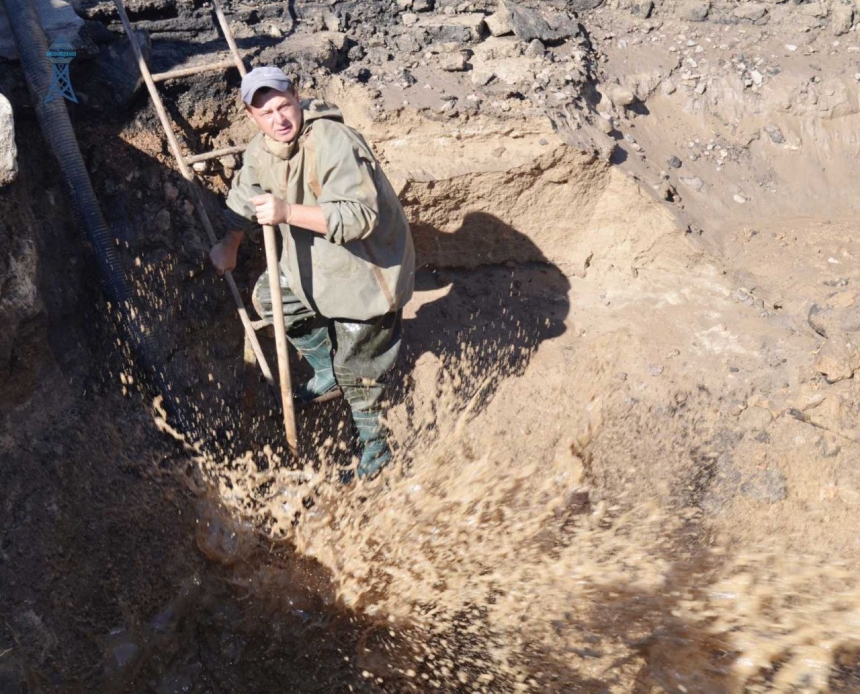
(486,297)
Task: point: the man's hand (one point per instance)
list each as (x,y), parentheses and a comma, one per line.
(223,253)
(270,210)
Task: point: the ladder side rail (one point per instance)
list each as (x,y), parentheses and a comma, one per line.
(228,34)
(188,174)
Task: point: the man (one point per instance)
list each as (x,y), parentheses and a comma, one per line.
(348,263)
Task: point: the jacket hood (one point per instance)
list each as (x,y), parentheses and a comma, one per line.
(312,110)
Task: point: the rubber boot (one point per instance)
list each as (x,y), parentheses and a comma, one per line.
(315,346)
(375,452)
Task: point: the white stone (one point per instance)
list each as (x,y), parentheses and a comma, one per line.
(499,24)
(693,182)
(8,150)
(454,62)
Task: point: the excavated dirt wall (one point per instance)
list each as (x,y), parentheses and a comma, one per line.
(626,413)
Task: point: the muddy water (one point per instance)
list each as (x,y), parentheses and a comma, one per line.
(473,567)
(511,548)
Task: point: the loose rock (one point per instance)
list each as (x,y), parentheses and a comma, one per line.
(535,49)
(693,182)
(768,485)
(162,221)
(457,28)
(694,11)
(837,360)
(332,22)
(8,149)
(323,48)
(499,24)
(530,24)
(455,62)
(775,134)
(841,18)
(171,192)
(642,9)
(751,12)
(620,96)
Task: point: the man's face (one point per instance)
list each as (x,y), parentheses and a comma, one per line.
(278,114)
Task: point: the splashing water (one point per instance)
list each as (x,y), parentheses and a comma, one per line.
(490,570)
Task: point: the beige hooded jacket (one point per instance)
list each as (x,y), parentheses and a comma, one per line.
(364,266)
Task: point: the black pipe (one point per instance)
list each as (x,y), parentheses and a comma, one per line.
(60,137)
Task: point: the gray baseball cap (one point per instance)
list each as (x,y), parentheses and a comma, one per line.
(261,77)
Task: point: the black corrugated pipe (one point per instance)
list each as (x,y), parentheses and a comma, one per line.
(60,137)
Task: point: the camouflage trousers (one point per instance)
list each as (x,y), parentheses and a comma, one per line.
(364,351)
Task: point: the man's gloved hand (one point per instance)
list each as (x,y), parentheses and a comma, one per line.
(270,209)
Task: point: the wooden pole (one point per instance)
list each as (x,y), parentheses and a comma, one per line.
(280,337)
(225,27)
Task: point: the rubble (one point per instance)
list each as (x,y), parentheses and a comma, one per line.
(459,28)
(842,18)
(837,360)
(751,12)
(324,49)
(694,10)
(529,24)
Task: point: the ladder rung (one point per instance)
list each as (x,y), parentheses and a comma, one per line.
(214,154)
(260,324)
(187,71)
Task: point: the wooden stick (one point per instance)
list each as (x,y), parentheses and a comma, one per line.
(215,154)
(280,337)
(195,70)
(225,27)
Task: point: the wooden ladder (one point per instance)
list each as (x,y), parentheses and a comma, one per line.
(185,162)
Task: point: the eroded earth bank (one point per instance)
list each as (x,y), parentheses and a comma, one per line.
(627,414)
